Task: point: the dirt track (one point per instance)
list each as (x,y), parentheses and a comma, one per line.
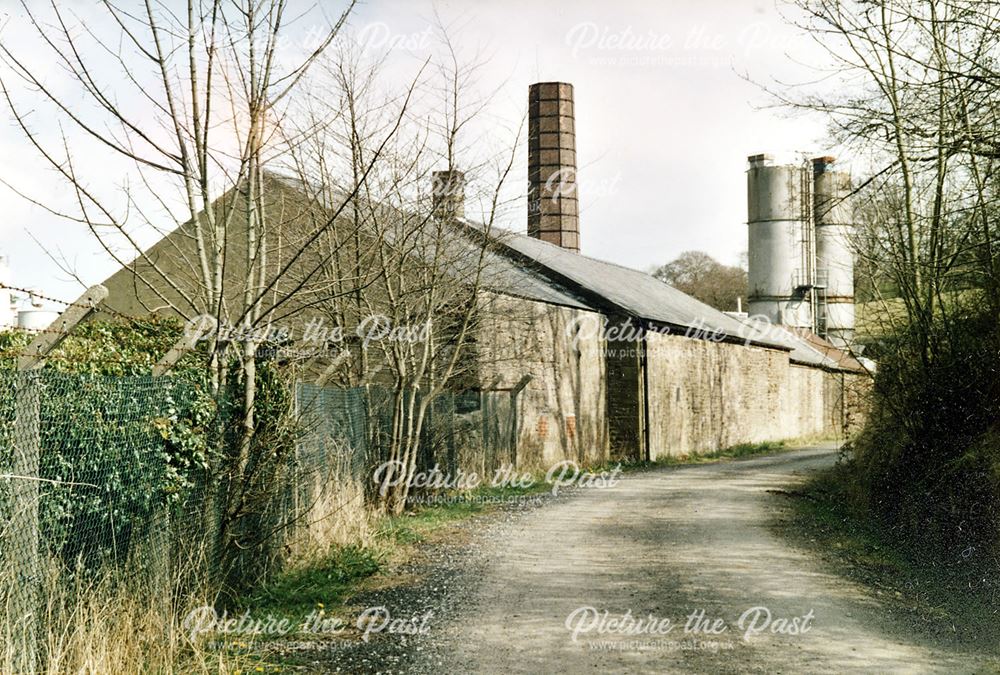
(663,543)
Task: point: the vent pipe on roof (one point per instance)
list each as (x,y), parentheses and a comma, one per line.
(448,194)
(552,195)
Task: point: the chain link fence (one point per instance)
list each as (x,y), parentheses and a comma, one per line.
(86,487)
(100,476)
(84,465)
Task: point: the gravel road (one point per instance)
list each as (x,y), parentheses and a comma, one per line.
(688,547)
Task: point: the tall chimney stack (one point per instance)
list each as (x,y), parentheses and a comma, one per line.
(448,194)
(552,195)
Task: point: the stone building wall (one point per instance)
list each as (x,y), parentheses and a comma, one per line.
(561,412)
(706,395)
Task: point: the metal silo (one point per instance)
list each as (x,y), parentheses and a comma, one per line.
(780,254)
(834,253)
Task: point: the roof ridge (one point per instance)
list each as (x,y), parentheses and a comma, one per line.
(590,257)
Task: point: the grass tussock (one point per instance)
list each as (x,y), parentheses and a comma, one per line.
(110,624)
(334,515)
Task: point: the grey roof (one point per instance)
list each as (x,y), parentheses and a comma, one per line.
(457,255)
(638,293)
(801,351)
(604,283)
(505,276)
(646,297)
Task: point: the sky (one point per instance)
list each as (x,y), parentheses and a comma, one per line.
(668,107)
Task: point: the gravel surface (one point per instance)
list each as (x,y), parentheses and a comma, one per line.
(442,580)
(661,545)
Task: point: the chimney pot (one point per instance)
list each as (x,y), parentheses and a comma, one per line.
(448,194)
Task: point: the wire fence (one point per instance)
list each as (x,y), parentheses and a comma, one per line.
(83,464)
(467,430)
(99,476)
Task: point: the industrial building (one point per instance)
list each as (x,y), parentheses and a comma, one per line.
(679,377)
(21,309)
(689,378)
(800,257)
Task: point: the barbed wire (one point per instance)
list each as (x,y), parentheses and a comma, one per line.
(34,293)
(130,320)
(99,307)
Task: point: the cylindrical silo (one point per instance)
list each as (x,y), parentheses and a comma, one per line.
(778,249)
(834,252)
(33,320)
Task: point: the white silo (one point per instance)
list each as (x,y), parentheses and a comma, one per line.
(779,249)
(36,318)
(834,252)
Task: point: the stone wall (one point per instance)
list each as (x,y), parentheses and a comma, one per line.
(561,412)
(705,395)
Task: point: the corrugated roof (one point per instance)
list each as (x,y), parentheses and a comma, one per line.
(460,256)
(833,357)
(502,275)
(646,297)
(557,273)
(638,293)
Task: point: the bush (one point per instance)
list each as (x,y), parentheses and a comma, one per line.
(117,446)
(928,462)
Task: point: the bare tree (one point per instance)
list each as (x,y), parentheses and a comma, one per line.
(916,99)
(705,278)
(911,90)
(193,102)
(418,268)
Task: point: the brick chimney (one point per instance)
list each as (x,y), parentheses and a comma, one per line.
(552,194)
(448,194)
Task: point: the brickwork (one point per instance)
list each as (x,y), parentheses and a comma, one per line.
(553,212)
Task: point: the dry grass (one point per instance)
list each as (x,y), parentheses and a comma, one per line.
(334,514)
(111,624)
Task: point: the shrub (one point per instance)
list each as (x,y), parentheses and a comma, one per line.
(928,462)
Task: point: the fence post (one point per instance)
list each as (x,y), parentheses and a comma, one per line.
(23,551)
(25,572)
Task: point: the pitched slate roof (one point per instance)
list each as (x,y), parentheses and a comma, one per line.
(514,280)
(631,291)
(834,358)
(526,267)
(458,255)
(645,297)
